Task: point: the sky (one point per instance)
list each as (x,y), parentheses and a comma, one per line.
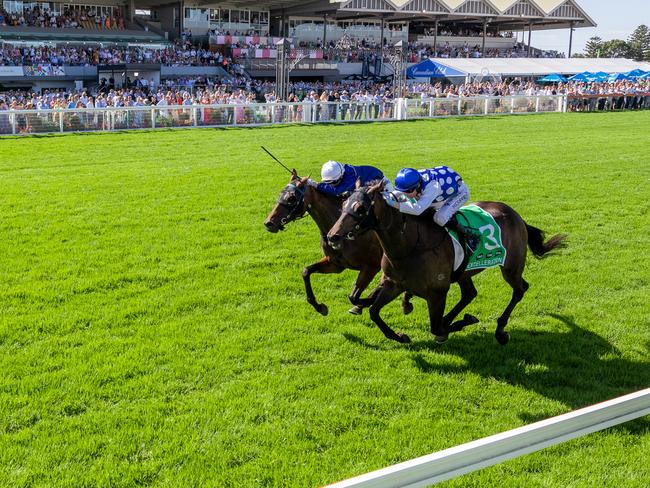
(616,19)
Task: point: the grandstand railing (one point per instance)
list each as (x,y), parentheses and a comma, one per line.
(174,116)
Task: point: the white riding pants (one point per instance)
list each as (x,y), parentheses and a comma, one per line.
(447,208)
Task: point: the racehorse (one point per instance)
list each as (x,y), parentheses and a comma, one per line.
(363,255)
(419,258)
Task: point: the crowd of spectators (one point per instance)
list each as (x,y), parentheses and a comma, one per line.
(175,55)
(210,104)
(184,53)
(68,18)
(466,32)
(243,91)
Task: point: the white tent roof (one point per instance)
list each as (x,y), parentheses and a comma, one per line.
(540,66)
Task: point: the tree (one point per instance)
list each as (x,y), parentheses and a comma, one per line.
(639,43)
(616,48)
(593,47)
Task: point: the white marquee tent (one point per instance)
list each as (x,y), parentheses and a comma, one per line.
(509,67)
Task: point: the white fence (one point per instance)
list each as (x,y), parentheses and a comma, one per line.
(108,119)
(459,460)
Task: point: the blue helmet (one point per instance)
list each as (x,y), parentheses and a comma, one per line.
(407,179)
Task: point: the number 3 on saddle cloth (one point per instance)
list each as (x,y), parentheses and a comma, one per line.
(490,251)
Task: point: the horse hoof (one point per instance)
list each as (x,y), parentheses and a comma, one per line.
(407,308)
(403,338)
(470,320)
(356,310)
(502,338)
(322,309)
(441,339)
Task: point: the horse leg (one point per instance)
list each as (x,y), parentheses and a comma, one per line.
(467,295)
(387,292)
(324,266)
(519,286)
(436,304)
(407,306)
(363,280)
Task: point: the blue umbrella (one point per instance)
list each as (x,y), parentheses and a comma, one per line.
(645,76)
(635,73)
(600,76)
(618,77)
(581,76)
(553,78)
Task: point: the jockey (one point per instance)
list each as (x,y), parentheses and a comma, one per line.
(440,188)
(338,178)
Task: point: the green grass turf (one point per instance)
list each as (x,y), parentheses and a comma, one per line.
(153,333)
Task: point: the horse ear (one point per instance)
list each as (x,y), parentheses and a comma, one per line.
(303,181)
(377,187)
(294,175)
(358,184)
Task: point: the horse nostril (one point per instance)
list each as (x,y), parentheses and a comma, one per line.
(268,224)
(334,238)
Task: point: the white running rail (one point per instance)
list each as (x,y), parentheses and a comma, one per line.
(459,460)
(22,122)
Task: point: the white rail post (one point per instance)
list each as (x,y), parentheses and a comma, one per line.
(460,106)
(463,459)
(486,105)
(61,121)
(153,118)
(195,116)
(12,117)
(537,104)
(431,112)
(512,105)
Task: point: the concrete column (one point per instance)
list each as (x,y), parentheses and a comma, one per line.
(570,38)
(381,41)
(530,34)
(484,36)
(131,12)
(435,36)
(324,30)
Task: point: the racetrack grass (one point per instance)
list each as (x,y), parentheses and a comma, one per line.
(152,332)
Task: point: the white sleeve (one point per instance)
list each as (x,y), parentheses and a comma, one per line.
(417,207)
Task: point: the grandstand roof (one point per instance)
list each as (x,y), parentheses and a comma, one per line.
(540,66)
(508,14)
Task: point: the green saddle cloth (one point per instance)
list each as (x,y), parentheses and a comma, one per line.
(490,251)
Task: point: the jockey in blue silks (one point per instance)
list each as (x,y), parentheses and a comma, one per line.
(338,178)
(440,188)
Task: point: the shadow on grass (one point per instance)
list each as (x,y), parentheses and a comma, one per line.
(577,367)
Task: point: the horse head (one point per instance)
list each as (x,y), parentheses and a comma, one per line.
(357,215)
(290,205)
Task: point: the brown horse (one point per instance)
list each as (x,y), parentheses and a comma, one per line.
(363,255)
(419,256)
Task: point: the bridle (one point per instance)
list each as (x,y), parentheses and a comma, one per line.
(365,220)
(296,209)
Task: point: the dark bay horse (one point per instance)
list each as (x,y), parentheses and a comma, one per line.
(363,255)
(419,256)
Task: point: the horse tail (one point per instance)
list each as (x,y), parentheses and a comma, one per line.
(537,244)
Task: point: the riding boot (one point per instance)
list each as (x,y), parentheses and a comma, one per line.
(470,237)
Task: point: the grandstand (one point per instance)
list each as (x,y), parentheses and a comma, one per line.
(244,30)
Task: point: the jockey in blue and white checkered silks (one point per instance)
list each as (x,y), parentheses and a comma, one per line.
(440,188)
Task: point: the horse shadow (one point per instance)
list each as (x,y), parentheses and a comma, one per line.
(575,367)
